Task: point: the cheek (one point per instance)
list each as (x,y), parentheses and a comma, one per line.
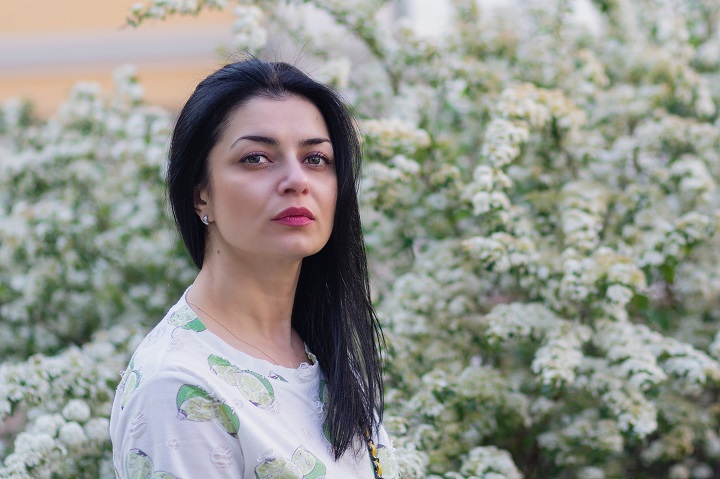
(327,201)
(227,198)
(332,197)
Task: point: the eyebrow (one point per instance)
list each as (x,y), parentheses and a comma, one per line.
(273,142)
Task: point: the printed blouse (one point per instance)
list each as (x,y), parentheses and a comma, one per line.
(191,406)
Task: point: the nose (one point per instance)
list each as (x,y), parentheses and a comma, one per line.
(294,178)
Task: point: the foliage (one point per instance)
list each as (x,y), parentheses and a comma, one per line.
(85,242)
(541,204)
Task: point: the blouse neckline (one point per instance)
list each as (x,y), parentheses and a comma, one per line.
(225,345)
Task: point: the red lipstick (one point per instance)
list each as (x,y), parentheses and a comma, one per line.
(294,217)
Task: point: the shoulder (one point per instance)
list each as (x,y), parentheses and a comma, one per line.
(178,339)
(173,352)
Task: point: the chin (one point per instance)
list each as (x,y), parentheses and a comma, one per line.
(300,251)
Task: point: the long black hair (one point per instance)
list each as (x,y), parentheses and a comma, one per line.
(332,311)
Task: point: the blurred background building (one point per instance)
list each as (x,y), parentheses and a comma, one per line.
(48,45)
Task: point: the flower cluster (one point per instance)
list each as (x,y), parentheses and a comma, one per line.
(65,401)
(249,34)
(487,463)
(161,9)
(586,433)
(387,138)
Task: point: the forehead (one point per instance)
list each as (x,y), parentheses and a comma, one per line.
(285,117)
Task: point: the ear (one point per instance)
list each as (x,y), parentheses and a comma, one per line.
(200,199)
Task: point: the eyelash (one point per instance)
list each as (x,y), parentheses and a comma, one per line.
(327,160)
(324,157)
(252,155)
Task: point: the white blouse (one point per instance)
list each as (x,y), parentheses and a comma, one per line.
(191,406)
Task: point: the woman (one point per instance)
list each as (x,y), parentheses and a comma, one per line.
(269,365)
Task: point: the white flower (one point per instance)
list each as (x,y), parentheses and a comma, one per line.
(387,137)
(47,423)
(76,410)
(507,321)
(249,33)
(619,294)
(490,463)
(556,361)
(591,472)
(72,435)
(336,72)
(483,177)
(679,471)
(96,429)
(411,462)
(33,449)
(634,413)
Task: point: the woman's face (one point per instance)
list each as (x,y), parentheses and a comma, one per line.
(273,187)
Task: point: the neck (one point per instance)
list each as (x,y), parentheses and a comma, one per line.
(252,298)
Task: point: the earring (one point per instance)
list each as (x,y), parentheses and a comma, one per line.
(205,220)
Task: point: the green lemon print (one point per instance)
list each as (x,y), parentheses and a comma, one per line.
(196,409)
(323,397)
(195,404)
(388,462)
(323,393)
(224,415)
(140,466)
(224,369)
(277,468)
(274,375)
(255,387)
(129,383)
(185,318)
(310,466)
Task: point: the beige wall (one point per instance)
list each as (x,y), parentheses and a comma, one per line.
(47,45)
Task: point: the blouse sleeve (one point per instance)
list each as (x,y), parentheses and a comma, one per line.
(171,425)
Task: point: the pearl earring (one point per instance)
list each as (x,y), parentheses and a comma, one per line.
(205,220)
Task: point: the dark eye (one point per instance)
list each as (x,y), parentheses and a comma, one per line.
(254,159)
(317,160)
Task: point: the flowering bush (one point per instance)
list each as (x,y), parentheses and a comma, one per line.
(542,213)
(88,257)
(85,239)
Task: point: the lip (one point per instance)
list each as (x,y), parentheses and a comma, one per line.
(294,217)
